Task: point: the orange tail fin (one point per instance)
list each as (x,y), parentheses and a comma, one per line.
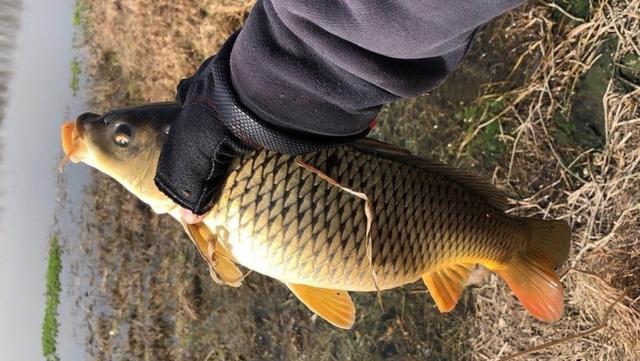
(531,275)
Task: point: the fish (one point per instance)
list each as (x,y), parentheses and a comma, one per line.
(360,217)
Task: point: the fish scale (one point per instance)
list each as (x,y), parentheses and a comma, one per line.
(421,220)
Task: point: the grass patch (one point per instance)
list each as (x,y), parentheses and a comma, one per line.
(76,70)
(50,323)
(483,131)
(77,13)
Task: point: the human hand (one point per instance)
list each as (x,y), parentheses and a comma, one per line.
(194,161)
(190,217)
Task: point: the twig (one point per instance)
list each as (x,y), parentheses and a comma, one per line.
(588,332)
(368,211)
(209,355)
(564,12)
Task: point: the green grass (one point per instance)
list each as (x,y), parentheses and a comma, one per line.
(77,13)
(50,323)
(487,142)
(75,76)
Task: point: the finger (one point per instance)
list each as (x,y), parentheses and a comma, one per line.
(191,217)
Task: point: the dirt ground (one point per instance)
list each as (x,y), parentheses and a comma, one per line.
(545,104)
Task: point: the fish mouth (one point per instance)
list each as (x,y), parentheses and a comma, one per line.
(73,144)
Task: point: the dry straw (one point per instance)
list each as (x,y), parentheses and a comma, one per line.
(595,190)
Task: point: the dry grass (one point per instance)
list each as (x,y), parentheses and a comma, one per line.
(505,113)
(141,49)
(594,189)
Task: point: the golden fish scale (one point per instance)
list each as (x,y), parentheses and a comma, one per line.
(287,222)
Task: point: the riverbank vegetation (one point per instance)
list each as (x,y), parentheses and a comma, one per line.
(50,323)
(545,104)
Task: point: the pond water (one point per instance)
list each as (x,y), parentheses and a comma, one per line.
(35,200)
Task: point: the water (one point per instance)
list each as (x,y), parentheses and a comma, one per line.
(34,199)
(68,223)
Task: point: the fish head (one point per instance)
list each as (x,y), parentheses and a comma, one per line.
(124,144)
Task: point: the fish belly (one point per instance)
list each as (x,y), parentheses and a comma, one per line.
(287,222)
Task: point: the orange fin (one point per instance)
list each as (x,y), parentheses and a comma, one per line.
(226,270)
(531,275)
(222,268)
(335,306)
(446,284)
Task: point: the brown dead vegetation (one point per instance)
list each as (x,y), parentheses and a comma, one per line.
(508,113)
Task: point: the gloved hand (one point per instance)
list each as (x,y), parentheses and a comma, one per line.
(212,129)
(195,159)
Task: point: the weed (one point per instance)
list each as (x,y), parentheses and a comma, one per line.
(77,13)
(76,70)
(485,143)
(52,300)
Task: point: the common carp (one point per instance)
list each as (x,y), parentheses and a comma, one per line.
(365,216)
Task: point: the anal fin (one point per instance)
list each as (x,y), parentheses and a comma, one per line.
(447,284)
(335,306)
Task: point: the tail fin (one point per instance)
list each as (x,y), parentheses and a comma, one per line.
(531,275)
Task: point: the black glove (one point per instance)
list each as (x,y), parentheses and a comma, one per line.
(195,159)
(212,129)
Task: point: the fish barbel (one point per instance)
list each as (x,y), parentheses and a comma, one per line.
(365,216)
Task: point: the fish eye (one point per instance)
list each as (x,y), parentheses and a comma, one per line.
(166,128)
(122,134)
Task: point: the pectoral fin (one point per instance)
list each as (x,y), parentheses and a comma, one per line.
(335,306)
(446,284)
(221,266)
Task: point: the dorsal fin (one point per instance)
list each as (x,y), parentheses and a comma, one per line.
(476,184)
